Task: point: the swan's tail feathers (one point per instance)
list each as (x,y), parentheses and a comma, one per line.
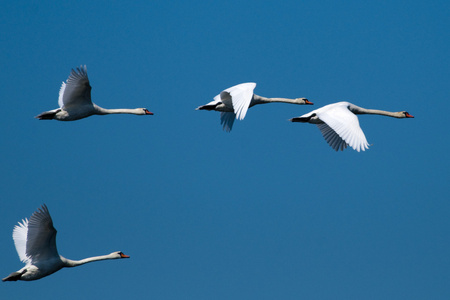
(14,276)
(48,115)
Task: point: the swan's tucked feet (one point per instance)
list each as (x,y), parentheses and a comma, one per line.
(48,115)
(300,119)
(14,276)
(207,107)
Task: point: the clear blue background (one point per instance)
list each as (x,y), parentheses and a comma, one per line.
(268,211)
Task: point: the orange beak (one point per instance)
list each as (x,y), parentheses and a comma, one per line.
(409,116)
(124,256)
(308,102)
(148,112)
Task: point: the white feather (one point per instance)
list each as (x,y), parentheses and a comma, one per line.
(41,237)
(77,90)
(20,240)
(241,96)
(345,124)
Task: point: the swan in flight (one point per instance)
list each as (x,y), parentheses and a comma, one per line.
(35,242)
(234,102)
(340,126)
(75,101)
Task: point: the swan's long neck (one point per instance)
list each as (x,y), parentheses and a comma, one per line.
(74,263)
(261,100)
(105,111)
(360,111)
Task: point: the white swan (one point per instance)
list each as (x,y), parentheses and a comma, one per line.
(75,101)
(35,242)
(340,126)
(234,102)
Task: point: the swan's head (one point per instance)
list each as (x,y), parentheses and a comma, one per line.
(406,114)
(303,101)
(119,254)
(144,111)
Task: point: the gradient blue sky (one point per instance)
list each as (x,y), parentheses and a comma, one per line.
(268,211)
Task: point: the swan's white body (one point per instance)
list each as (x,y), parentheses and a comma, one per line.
(340,126)
(35,242)
(234,102)
(75,101)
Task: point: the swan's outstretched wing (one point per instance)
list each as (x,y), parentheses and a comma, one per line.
(332,138)
(227,120)
(241,96)
(41,236)
(20,240)
(77,90)
(342,127)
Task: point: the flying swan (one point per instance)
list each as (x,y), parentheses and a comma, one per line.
(35,242)
(340,126)
(75,101)
(234,102)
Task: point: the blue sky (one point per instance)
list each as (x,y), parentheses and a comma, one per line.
(268,211)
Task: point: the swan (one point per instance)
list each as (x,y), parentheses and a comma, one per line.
(340,126)
(75,101)
(35,242)
(234,102)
